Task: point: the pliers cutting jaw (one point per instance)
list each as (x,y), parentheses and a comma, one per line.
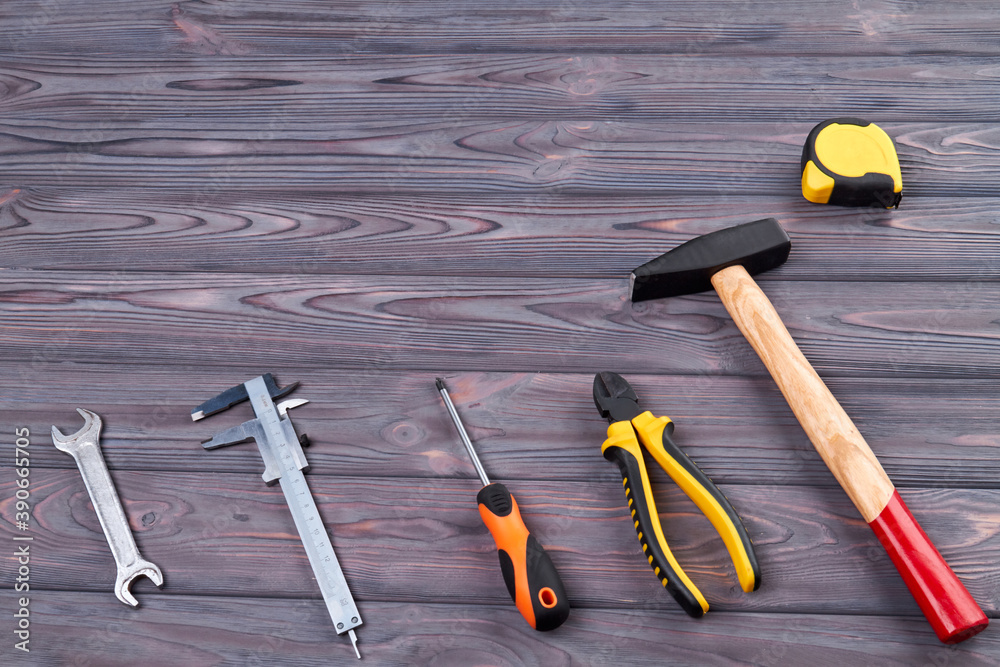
(630,425)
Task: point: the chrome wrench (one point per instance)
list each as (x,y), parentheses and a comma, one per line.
(84,446)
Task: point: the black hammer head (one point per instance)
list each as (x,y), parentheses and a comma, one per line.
(688,268)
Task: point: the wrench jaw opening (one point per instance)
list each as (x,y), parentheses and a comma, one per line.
(90,433)
(125,578)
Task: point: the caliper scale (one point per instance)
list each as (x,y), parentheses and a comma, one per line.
(285,463)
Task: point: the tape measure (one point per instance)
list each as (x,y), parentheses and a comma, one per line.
(851,162)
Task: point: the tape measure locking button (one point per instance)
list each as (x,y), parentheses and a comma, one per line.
(851,162)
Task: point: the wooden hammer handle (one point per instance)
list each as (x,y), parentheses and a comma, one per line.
(942,597)
(831,431)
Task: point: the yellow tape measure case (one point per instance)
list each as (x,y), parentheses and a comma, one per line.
(851,162)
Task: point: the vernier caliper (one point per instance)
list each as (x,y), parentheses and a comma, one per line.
(284,463)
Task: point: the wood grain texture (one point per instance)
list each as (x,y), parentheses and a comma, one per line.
(361,323)
(362,196)
(204,29)
(229,534)
(388,423)
(146,96)
(200,631)
(833,434)
(393,155)
(929,238)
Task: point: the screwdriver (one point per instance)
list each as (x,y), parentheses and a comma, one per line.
(532,580)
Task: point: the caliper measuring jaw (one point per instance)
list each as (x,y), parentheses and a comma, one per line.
(284,463)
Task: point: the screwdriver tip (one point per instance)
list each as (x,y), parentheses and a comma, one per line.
(195,416)
(440,384)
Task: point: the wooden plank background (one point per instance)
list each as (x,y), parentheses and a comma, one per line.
(365,195)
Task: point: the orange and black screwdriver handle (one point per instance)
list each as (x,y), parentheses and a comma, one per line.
(532,580)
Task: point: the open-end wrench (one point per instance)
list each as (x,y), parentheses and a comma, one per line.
(85,448)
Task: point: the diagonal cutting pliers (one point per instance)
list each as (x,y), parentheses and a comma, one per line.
(630,425)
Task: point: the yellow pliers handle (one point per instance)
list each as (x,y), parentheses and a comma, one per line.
(622,447)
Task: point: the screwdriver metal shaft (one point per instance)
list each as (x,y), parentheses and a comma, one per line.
(461,432)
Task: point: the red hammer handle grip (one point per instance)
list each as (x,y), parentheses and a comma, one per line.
(946,603)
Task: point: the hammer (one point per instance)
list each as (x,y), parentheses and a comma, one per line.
(725,260)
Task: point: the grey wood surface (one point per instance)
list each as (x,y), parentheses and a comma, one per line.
(365,195)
